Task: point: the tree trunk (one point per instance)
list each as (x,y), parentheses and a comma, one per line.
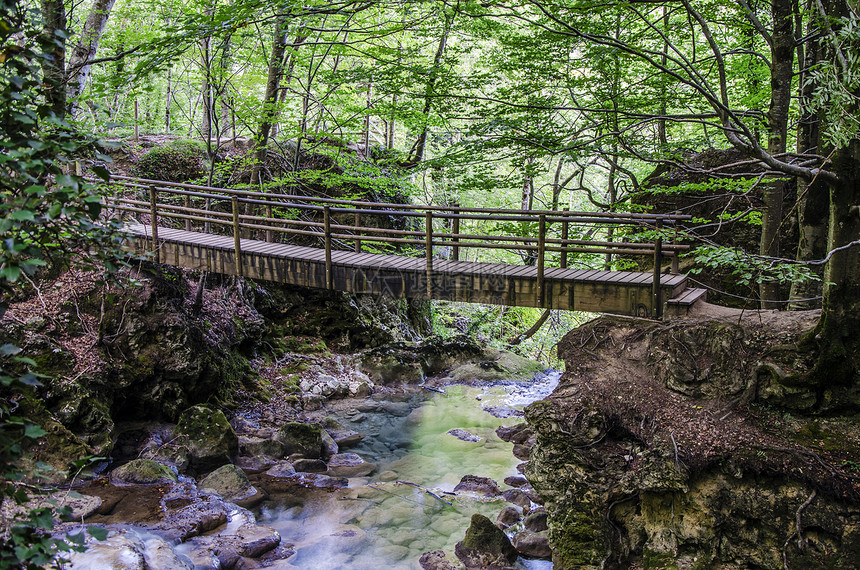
(54,68)
(416,155)
(206,87)
(782,68)
(270,99)
(85,51)
(812,199)
(167,100)
(836,335)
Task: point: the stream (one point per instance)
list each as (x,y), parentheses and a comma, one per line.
(407,507)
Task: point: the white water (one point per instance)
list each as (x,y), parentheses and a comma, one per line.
(388,524)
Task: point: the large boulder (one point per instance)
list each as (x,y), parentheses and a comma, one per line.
(485,546)
(308,440)
(230,482)
(142,472)
(209,437)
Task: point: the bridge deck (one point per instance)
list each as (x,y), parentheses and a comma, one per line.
(622,292)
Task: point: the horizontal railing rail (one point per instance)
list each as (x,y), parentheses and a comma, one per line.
(269,215)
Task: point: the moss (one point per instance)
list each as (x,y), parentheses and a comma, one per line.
(658,560)
(210,438)
(485,544)
(305,439)
(143,472)
(294,368)
(177,161)
(300,345)
(290,383)
(577,540)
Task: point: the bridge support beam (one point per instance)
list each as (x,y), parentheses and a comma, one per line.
(237,242)
(153,212)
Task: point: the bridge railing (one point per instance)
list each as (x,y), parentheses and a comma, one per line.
(339,223)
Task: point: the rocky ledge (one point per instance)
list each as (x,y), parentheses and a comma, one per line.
(695,444)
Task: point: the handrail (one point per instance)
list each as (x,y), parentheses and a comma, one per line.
(334,225)
(225,193)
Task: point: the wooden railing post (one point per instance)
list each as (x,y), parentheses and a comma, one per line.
(564,235)
(357,225)
(428,244)
(153,220)
(540,257)
(187,206)
(237,243)
(657,308)
(269,217)
(455,251)
(329,281)
(675,268)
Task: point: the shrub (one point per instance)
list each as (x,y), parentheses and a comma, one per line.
(177,161)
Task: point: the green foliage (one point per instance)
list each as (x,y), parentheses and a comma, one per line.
(836,81)
(751,269)
(45,213)
(177,161)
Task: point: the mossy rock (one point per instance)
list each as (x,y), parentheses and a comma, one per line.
(230,482)
(50,458)
(485,545)
(207,434)
(309,440)
(143,472)
(300,344)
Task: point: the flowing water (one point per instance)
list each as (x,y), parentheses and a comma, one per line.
(407,507)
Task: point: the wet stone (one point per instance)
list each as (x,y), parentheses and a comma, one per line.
(282,469)
(516,481)
(435,560)
(508,516)
(346,438)
(310,466)
(463,435)
(478,485)
(533,544)
(536,521)
(349,465)
(517,497)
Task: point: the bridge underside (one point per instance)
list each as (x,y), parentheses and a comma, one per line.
(618,292)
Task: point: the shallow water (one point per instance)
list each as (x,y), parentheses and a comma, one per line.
(385,522)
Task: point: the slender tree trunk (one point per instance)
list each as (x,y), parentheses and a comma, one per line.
(223,86)
(416,155)
(270,99)
(206,86)
(167,99)
(527,203)
(54,68)
(301,37)
(664,95)
(812,199)
(85,50)
(782,69)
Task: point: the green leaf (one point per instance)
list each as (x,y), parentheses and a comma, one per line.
(11,273)
(98,532)
(29,379)
(23,216)
(34,431)
(9,349)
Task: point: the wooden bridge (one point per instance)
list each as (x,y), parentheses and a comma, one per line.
(422,252)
